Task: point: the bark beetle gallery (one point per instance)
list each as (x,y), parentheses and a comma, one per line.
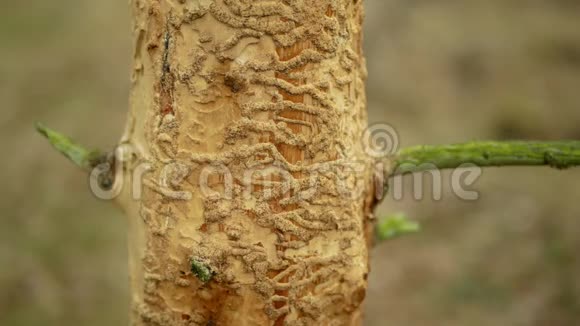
(236,85)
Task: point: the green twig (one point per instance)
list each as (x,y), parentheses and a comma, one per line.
(79,155)
(557,154)
(395,226)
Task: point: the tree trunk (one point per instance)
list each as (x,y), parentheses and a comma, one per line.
(246,118)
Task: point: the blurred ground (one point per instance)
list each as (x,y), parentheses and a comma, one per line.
(441,71)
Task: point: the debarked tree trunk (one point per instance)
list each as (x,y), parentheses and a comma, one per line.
(249,193)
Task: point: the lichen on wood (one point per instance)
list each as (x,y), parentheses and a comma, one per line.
(201,271)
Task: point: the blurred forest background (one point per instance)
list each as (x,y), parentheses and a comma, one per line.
(441,71)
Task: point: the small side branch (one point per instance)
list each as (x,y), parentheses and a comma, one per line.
(395,226)
(558,154)
(80,156)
